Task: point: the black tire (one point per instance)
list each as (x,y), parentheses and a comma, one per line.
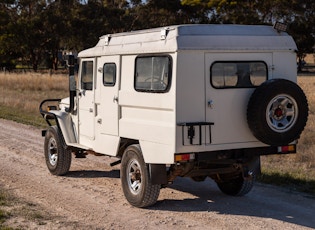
(239,186)
(58,159)
(135,179)
(277,112)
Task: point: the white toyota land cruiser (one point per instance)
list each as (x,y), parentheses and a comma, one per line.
(189,100)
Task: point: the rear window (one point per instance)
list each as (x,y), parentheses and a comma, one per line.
(245,74)
(87,75)
(153,73)
(109,74)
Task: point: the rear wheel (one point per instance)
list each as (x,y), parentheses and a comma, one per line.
(239,186)
(135,179)
(58,159)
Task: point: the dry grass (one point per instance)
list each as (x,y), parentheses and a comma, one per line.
(17,212)
(21,94)
(298,169)
(27,90)
(307,141)
(306,144)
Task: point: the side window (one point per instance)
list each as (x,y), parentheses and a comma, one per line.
(87,75)
(238,74)
(153,73)
(109,74)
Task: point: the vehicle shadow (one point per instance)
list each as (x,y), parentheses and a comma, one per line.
(93,174)
(263,201)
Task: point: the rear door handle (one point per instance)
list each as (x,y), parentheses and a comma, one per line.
(210,104)
(115,99)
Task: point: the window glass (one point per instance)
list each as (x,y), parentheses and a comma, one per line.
(87,75)
(109,74)
(153,73)
(238,74)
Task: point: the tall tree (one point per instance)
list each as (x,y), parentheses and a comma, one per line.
(8,47)
(157,13)
(299,14)
(36,30)
(24,30)
(302,28)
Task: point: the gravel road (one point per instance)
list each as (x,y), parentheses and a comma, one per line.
(90,195)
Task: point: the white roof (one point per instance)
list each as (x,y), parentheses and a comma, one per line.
(193,37)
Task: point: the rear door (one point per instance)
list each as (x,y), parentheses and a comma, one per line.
(230,79)
(86,106)
(107,105)
(107,94)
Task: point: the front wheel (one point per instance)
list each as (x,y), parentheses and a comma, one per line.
(58,159)
(135,179)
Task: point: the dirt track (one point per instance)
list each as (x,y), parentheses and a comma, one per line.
(90,196)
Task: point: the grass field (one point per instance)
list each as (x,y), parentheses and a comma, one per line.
(15,209)
(297,170)
(21,94)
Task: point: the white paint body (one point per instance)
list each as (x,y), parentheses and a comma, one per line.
(107,114)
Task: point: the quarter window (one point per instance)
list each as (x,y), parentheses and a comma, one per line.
(87,75)
(152,73)
(109,74)
(238,74)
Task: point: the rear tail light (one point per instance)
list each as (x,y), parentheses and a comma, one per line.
(287,149)
(185,157)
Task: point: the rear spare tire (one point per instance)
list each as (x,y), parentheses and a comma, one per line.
(277,112)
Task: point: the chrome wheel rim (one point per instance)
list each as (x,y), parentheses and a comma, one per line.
(134,176)
(281,113)
(52,151)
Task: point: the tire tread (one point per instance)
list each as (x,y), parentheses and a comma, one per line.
(150,193)
(257,105)
(64,155)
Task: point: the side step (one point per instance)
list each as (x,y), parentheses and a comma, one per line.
(78,146)
(115,163)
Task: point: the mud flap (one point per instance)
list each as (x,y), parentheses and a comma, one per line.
(158,173)
(252,167)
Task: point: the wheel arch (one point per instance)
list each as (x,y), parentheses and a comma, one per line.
(66,127)
(157,171)
(123,145)
(136,180)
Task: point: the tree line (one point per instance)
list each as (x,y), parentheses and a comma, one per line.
(35,31)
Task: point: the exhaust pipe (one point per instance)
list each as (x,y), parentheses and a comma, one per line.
(72,84)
